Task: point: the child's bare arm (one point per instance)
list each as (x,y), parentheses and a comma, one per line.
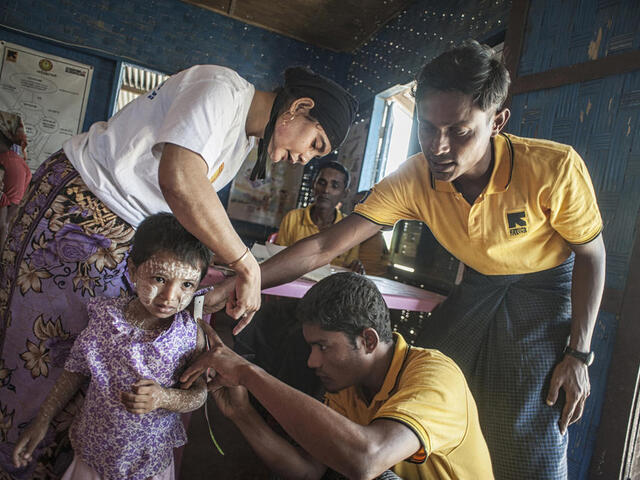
(148,395)
(62,392)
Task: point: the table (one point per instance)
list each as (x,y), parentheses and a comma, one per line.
(397,295)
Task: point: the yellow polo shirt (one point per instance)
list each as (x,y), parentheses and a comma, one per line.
(426,391)
(539,199)
(297,224)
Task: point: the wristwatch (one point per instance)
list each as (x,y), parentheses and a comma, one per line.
(584,357)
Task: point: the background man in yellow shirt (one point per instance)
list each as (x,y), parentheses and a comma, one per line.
(389,405)
(522,215)
(330,187)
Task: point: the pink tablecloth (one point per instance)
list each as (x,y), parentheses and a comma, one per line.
(397,295)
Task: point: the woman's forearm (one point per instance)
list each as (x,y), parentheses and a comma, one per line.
(182,175)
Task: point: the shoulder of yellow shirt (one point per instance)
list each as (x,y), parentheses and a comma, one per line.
(540,149)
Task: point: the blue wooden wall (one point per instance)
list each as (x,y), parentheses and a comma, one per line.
(600,118)
(165,35)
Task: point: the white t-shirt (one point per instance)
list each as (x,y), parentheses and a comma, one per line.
(203,109)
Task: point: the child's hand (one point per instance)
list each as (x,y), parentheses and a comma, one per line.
(28,442)
(146,396)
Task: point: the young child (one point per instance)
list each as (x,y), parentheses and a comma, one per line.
(133,350)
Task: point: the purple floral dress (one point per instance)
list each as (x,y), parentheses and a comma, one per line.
(116,443)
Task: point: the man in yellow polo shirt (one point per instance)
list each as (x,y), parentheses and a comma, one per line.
(329,189)
(523,217)
(389,406)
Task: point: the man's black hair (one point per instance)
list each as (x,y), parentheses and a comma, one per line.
(346,302)
(470,68)
(335,166)
(162,232)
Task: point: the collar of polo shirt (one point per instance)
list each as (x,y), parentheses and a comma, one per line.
(502,151)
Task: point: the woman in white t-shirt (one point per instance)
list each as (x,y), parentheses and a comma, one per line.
(169,150)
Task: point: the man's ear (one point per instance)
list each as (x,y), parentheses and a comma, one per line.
(343,196)
(500,119)
(371,339)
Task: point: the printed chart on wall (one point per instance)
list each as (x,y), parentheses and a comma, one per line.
(48,92)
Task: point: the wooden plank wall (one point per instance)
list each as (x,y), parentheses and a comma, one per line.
(576,71)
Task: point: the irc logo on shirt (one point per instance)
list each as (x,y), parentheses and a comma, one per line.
(518,223)
(153,94)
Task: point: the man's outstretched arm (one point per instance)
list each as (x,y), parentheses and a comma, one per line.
(280,456)
(298,259)
(317,250)
(354,450)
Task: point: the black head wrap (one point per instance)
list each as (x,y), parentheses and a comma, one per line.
(334,108)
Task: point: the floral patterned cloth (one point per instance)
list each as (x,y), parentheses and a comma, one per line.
(79,470)
(116,443)
(64,247)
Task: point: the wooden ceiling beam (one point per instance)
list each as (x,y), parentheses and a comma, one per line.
(338,25)
(579,72)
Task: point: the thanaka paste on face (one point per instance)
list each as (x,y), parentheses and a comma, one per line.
(175,273)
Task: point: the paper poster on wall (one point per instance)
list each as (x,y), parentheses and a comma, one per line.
(265,202)
(49,93)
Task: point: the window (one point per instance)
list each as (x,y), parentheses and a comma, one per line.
(389,140)
(390,132)
(134,81)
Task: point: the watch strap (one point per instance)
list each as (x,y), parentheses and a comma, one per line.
(584,357)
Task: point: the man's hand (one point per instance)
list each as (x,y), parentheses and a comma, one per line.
(216,299)
(224,293)
(573,376)
(231,401)
(226,364)
(146,396)
(28,442)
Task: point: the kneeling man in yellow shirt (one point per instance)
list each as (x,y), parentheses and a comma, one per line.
(389,405)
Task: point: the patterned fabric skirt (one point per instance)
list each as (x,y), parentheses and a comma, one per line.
(507,333)
(64,247)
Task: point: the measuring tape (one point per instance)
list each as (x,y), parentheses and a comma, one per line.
(198,307)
